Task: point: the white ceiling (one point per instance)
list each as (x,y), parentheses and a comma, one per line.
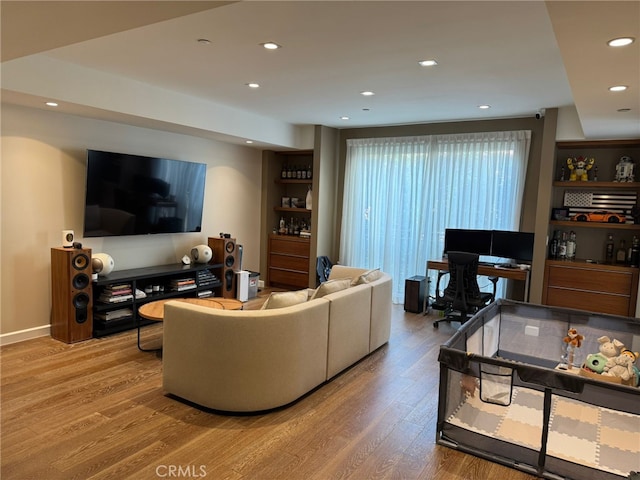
(516,56)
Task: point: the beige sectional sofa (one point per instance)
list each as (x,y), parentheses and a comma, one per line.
(253,360)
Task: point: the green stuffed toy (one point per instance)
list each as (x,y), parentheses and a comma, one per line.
(595,362)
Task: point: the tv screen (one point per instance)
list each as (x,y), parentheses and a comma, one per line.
(136,195)
(472,241)
(516,246)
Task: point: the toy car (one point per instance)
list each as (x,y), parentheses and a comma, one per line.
(600,216)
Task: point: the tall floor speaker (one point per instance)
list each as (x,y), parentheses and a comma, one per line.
(414,294)
(225,251)
(71,294)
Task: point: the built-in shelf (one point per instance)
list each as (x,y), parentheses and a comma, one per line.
(292,210)
(612,226)
(292,181)
(599,185)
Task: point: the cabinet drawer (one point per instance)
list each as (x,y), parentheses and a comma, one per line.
(288,278)
(288,262)
(591,279)
(291,246)
(605,303)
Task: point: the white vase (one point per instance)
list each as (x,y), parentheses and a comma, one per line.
(308,200)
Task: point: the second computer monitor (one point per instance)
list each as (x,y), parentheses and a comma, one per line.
(517,246)
(463,240)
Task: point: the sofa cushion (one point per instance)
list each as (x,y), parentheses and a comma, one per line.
(331,286)
(367,277)
(285,299)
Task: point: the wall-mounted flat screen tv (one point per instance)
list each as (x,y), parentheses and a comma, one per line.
(135,195)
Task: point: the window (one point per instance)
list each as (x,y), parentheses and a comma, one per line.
(400,194)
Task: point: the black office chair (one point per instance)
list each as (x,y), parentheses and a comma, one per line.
(462,297)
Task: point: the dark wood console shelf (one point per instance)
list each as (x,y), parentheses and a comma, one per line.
(164,276)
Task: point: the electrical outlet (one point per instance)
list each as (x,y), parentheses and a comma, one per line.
(531,331)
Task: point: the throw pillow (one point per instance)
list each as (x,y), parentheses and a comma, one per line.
(367,277)
(285,299)
(331,286)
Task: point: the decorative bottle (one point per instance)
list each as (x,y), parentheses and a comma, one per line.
(571,246)
(608,255)
(562,247)
(553,247)
(634,259)
(621,254)
(308,199)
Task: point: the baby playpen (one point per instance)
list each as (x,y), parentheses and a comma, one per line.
(503,395)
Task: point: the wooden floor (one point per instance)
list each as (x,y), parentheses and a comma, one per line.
(96,409)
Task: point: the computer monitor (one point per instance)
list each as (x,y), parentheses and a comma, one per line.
(463,240)
(517,246)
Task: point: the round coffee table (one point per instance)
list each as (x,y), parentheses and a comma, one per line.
(155,310)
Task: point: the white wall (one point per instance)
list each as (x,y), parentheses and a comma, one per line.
(42,179)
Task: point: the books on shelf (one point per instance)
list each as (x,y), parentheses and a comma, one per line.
(114,314)
(205,293)
(182,284)
(116,293)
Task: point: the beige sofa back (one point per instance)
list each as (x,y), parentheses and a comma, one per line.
(244,361)
(380,328)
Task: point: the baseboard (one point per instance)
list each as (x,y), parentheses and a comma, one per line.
(22,335)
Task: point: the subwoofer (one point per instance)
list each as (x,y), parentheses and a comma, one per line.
(414,294)
(225,251)
(71,294)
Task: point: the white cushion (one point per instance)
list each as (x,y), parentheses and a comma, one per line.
(285,299)
(367,277)
(331,286)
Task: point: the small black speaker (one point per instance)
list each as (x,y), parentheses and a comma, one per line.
(414,294)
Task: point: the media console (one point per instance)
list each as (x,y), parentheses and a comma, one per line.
(115,303)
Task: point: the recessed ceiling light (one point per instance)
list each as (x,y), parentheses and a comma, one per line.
(618,88)
(427,63)
(624,110)
(271,45)
(253,85)
(204,41)
(344,117)
(367,93)
(621,42)
(484,107)
(248,141)
(51,104)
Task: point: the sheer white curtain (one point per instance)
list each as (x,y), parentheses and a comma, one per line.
(400,194)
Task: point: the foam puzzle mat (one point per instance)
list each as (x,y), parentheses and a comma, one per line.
(597,437)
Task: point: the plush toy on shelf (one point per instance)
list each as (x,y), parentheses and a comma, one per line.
(622,365)
(595,362)
(573,341)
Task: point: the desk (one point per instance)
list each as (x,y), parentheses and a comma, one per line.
(155,310)
(442,265)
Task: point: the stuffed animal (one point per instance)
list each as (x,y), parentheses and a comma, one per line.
(595,362)
(621,366)
(573,338)
(610,348)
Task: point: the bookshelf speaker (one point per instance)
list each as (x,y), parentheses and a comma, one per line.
(225,251)
(71,294)
(414,292)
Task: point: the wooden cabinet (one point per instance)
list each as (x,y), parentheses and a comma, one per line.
(289,260)
(588,283)
(595,287)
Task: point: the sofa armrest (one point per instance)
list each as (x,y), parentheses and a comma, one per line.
(244,361)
